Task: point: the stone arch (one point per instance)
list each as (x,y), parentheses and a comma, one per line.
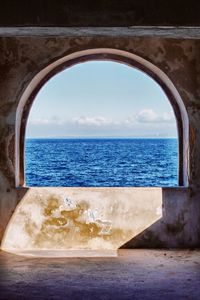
(116,55)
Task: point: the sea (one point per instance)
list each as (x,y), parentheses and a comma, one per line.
(102,162)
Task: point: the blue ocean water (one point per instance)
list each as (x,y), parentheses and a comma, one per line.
(101,162)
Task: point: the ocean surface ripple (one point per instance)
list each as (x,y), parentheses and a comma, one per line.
(101,162)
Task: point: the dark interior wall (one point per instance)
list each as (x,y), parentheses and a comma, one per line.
(99,13)
(22,58)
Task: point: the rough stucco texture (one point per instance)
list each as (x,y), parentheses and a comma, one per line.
(81,218)
(22,58)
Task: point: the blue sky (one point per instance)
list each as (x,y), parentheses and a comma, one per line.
(105,99)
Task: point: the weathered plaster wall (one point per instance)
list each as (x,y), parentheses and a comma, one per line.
(100,219)
(81,218)
(22,58)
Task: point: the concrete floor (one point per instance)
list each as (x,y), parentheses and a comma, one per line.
(134,274)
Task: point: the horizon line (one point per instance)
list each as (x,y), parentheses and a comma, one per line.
(104,137)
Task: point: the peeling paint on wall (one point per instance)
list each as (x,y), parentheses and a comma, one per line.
(81,219)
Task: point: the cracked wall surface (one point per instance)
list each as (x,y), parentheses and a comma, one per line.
(81,218)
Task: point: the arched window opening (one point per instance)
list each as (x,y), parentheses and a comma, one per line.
(101,123)
(113,135)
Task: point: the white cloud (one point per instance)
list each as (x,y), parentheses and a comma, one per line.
(83,120)
(145,116)
(129,121)
(51,121)
(150,116)
(94,121)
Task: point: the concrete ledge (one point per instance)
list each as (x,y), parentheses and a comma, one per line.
(131,31)
(66,253)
